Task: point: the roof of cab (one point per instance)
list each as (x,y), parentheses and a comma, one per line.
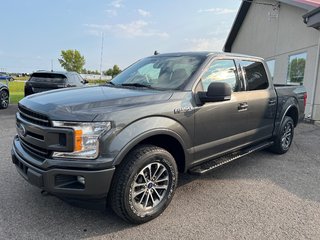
(207,54)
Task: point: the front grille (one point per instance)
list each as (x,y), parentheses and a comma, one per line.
(37,137)
(33,117)
(35,150)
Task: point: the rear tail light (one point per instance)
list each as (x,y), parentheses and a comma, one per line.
(305,99)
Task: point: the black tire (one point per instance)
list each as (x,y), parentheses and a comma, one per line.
(140,174)
(284,137)
(4,99)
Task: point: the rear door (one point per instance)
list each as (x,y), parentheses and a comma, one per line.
(220,126)
(261,100)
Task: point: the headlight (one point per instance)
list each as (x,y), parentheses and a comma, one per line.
(86,138)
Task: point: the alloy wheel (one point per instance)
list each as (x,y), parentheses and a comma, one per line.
(4,99)
(286,136)
(149,187)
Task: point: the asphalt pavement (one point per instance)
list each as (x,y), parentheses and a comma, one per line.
(261,196)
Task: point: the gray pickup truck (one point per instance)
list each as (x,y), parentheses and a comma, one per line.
(125,142)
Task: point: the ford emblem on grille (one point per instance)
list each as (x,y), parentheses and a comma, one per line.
(21,129)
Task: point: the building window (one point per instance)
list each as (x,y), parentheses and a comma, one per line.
(271,64)
(296,66)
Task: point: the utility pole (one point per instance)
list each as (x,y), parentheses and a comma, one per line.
(51,65)
(102,36)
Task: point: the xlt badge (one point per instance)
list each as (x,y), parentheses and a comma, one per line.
(182,110)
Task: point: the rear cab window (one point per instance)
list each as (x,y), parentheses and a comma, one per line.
(254,74)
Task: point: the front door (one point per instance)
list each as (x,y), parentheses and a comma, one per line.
(220,126)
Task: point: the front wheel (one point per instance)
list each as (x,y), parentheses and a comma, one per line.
(284,137)
(144,184)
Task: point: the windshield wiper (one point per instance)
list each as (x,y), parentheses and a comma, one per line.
(136,85)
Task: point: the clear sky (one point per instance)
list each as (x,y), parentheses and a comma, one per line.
(33,32)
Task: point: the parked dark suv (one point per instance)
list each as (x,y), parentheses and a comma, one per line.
(44,81)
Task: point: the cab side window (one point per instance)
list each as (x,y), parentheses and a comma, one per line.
(222,71)
(255,75)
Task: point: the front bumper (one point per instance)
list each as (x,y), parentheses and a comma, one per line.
(63,181)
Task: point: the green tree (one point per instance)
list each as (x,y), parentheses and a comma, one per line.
(109,72)
(96,72)
(84,71)
(115,70)
(71,60)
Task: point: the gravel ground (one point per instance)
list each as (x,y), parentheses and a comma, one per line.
(261,196)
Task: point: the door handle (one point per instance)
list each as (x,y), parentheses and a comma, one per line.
(272,101)
(243,106)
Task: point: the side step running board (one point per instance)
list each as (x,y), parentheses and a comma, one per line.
(217,162)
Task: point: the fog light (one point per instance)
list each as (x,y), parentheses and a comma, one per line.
(81,180)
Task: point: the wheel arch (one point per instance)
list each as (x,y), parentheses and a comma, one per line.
(5,89)
(163,138)
(292,111)
(171,144)
(160,131)
(290,108)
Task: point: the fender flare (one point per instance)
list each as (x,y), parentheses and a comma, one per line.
(144,128)
(5,88)
(289,107)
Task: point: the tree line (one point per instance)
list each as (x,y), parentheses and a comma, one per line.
(72,60)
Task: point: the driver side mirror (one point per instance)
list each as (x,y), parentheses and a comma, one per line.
(85,81)
(217,92)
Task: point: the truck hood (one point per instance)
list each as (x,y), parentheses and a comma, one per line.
(85,104)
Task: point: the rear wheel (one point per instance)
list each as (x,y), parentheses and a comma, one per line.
(285,136)
(144,184)
(4,99)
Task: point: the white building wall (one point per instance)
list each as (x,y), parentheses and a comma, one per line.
(277,33)
(316,107)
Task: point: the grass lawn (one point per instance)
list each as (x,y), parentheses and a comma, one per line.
(25,78)
(16,91)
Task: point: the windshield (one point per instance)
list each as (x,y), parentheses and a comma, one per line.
(160,72)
